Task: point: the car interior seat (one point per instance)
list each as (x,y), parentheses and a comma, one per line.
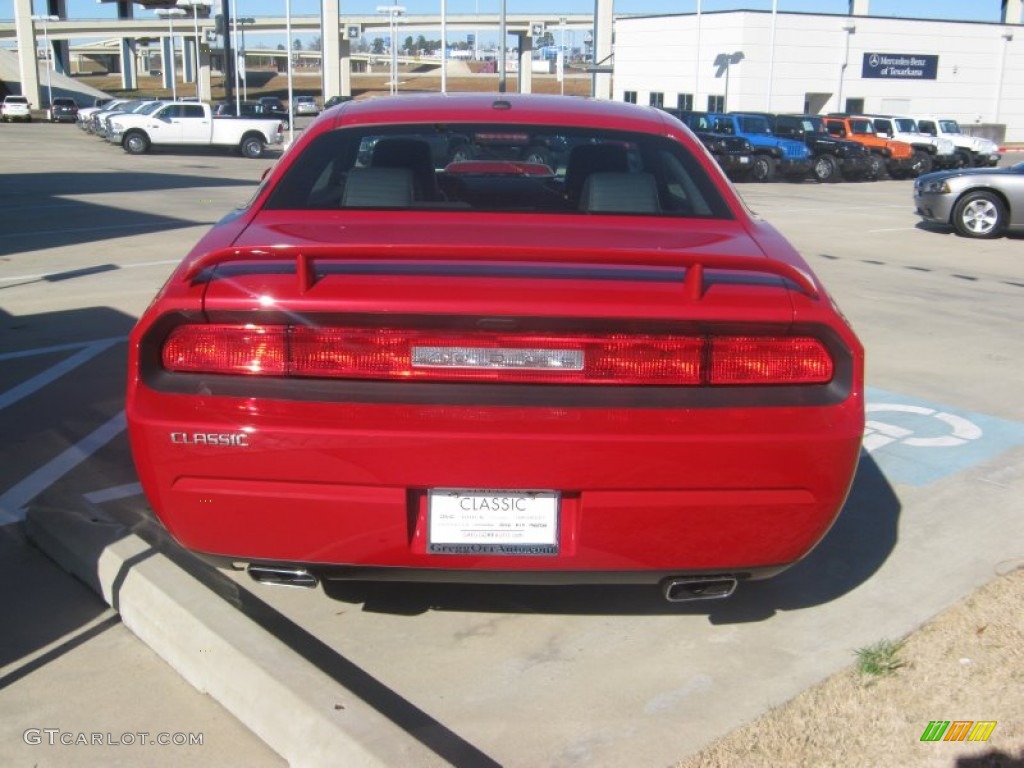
(592,158)
(414,155)
(378,188)
(620,193)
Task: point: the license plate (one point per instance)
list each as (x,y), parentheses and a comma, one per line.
(483,522)
(744,159)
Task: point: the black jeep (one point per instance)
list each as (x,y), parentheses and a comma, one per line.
(832,158)
(734,154)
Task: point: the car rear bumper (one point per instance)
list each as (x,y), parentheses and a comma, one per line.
(654,491)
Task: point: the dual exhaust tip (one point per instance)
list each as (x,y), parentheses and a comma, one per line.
(687,589)
(675,590)
(282,576)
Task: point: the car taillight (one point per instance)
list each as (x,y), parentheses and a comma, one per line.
(769,360)
(249,349)
(390,354)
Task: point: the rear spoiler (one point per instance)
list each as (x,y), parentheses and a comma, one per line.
(693,284)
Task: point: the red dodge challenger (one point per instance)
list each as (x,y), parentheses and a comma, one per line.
(496,338)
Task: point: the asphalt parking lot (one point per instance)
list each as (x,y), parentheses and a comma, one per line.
(490,676)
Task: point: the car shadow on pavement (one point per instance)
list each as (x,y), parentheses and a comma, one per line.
(60,378)
(55,219)
(855,548)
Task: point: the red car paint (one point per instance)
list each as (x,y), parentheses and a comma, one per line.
(737,472)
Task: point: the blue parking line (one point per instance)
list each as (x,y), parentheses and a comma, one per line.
(918,442)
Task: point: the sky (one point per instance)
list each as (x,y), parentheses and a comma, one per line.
(962,10)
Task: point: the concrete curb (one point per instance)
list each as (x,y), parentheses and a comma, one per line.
(282,698)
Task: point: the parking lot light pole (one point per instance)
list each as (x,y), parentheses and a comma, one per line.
(393,12)
(241,55)
(725,62)
(49,53)
(170,14)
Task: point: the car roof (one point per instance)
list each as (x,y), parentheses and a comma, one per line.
(534,109)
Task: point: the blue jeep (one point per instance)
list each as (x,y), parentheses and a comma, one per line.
(772,155)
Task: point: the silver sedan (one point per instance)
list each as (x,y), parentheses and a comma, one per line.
(977,202)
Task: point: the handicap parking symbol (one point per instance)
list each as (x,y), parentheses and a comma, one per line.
(917,442)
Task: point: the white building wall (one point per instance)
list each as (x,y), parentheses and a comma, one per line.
(980,77)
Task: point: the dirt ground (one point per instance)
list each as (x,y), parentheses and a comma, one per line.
(965,664)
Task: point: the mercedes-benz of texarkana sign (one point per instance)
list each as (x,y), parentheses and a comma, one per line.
(493,338)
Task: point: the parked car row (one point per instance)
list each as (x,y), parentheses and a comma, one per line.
(138,125)
(760,146)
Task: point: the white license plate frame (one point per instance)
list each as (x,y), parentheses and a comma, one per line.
(467,521)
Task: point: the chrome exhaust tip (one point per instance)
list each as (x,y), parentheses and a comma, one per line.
(682,590)
(280,576)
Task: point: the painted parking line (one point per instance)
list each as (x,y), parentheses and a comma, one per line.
(917,442)
(113,493)
(46,275)
(83,354)
(13,501)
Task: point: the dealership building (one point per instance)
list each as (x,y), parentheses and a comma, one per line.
(763,61)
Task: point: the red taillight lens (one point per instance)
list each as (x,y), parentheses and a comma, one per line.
(254,349)
(624,359)
(348,352)
(757,360)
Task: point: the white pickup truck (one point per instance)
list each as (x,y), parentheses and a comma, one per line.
(191,124)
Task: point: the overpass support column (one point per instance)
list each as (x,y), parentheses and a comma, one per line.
(188,60)
(603,19)
(27,65)
(525,44)
(129,77)
(167,61)
(205,83)
(1013,12)
(331,46)
(345,67)
(61,52)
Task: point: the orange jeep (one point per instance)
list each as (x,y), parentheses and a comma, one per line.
(897,157)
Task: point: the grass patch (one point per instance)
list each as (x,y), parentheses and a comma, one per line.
(879,659)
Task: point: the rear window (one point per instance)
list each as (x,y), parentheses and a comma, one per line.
(15,100)
(499,168)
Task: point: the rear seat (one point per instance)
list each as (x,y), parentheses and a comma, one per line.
(378,188)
